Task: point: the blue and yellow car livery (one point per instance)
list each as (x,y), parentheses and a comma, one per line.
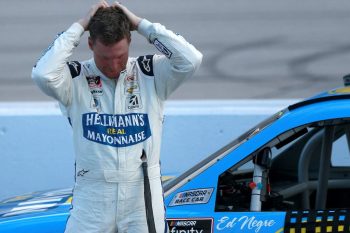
(290,173)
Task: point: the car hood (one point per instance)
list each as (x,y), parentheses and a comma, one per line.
(51,201)
(44,202)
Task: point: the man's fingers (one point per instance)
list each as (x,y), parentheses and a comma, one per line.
(104,3)
(86,20)
(118,4)
(101,4)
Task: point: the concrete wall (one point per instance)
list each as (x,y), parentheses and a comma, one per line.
(36,150)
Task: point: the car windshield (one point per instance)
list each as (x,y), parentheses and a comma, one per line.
(210,160)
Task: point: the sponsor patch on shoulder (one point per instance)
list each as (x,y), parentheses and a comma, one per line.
(146,64)
(162,48)
(74,68)
(191,225)
(192,197)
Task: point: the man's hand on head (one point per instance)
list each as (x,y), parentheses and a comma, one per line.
(134,20)
(86,19)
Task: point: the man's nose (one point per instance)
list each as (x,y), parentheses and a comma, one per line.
(115,62)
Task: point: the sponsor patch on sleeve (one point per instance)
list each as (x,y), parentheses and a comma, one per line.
(192,197)
(162,48)
(48,48)
(191,225)
(146,64)
(74,68)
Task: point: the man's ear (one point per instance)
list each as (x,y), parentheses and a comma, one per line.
(91,43)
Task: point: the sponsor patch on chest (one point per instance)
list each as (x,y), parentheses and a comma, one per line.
(95,85)
(116,130)
(133,102)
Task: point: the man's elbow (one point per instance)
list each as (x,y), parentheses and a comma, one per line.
(194,61)
(197,61)
(40,79)
(38,75)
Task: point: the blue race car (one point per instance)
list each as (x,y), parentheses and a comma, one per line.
(290,173)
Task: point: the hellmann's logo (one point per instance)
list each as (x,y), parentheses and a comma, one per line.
(116,130)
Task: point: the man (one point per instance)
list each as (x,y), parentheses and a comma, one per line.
(115,106)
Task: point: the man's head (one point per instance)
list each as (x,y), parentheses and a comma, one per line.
(109,40)
(109,25)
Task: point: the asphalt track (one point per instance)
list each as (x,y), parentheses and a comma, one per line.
(252,49)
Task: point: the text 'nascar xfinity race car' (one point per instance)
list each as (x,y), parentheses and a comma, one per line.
(290,173)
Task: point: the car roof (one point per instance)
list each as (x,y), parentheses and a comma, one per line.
(335,94)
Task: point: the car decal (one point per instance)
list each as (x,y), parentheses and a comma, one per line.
(191,197)
(317,221)
(248,223)
(343,90)
(190,225)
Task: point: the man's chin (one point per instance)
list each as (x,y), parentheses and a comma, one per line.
(112,75)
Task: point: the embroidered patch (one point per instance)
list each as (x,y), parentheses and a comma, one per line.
(162,48)
(96,104)
(131,89)
(146,64)
(95,85)
(130,79)
(74,68)
(133,102)
(116,130)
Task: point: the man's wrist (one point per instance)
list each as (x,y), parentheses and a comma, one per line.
(83,23)
(77,29)
(144,28)
(137,22)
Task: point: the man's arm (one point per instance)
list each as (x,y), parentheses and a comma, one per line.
(179,61)
(51,72)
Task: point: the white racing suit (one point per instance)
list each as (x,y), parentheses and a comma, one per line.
(113,122)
